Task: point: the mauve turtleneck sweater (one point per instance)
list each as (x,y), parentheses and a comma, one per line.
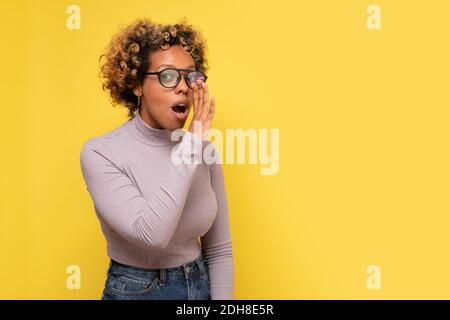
(157,213)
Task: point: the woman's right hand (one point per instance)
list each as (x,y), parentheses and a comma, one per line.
(203,109)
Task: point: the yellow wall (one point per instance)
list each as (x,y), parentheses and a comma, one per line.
(364,131)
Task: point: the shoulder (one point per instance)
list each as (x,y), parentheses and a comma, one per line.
(102,145)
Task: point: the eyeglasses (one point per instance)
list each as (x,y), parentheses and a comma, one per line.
(170,77)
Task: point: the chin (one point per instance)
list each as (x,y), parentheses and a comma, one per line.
(173,126)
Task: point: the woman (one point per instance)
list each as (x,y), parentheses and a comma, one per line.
(165,221)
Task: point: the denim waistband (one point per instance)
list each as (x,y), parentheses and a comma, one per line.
(149,272)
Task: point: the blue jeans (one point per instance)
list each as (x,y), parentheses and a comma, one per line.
(189,281)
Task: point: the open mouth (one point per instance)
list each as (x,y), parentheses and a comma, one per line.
(180,111)
(180,108)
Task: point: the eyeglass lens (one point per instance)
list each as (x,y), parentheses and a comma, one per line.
(170,77)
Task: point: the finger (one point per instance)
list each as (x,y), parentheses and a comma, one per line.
(206,101)
(195,100)
(212,109)
(200,100)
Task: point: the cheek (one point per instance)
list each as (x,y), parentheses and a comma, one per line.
(157,97)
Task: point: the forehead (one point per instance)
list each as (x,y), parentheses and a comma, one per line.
(175,56)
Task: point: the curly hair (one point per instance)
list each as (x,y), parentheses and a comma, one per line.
(127,56)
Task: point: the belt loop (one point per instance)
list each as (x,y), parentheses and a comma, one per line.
(162,276)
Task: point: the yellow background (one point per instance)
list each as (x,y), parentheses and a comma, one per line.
(364,129)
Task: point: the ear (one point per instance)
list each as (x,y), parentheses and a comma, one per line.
(137,91)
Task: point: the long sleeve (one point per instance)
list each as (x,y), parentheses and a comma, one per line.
(216,242)
(144,222)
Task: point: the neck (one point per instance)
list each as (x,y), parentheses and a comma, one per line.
(148,118)
(147,134)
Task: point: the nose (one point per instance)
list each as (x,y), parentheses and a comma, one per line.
(182,85)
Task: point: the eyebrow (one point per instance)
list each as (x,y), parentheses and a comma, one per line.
(192,66)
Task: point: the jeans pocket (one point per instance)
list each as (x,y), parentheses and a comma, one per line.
(130,285)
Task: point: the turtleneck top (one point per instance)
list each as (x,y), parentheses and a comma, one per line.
(156,212)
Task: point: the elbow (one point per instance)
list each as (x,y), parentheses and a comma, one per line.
(150,244)
(147,239)
(149,234)
(161,245)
